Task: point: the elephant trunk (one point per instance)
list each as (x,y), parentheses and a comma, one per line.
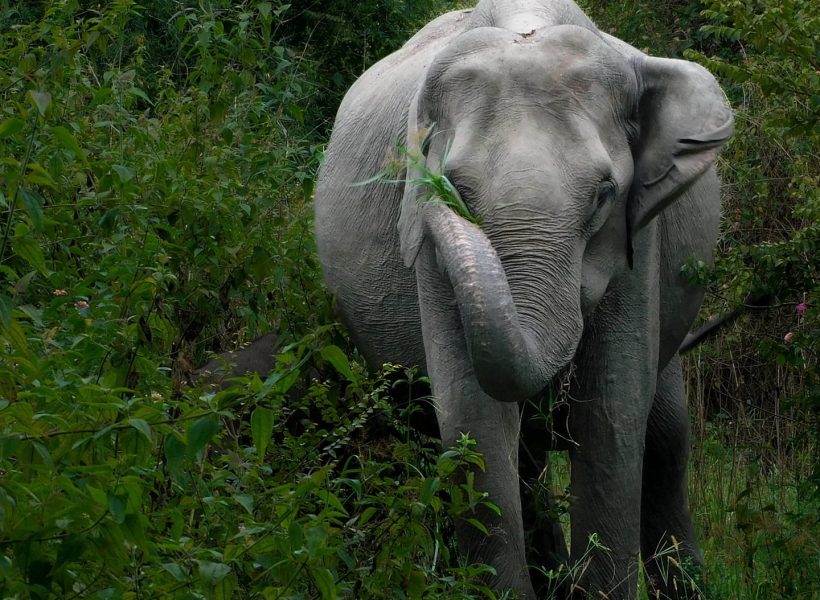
(514,356)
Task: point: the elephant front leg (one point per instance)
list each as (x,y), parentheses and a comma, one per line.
(615,381)
(463,407)
(494,426)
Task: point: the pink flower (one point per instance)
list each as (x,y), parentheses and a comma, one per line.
(801,308)
(59,292)
(81,304)
(788,337)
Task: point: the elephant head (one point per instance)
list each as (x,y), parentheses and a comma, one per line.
(565,145)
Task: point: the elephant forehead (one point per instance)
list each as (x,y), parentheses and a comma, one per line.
(552,64)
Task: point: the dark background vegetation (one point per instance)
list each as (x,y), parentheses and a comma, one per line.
(157,161)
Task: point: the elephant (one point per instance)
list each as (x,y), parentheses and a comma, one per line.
(587,170)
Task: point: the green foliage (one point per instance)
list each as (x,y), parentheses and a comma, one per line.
(186,498)
(436,186)
(769,62)
(158,160)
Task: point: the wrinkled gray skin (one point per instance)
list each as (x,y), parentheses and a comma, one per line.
(576,151)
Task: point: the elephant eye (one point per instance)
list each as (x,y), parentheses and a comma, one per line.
(605,194)
(599,208)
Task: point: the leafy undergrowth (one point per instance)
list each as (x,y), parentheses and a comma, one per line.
(243,493)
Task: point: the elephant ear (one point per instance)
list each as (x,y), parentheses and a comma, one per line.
(684,121)
(411,230)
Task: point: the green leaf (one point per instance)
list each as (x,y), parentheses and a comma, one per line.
(68,141)
(315,538)
(200,433)
(264,9)
(261,429)
(175,450)
(212,572)
(10,126)
(44,454)
(478,525)
(175,570)
(416,584)
(142,426)
(6,306)
(41,101)
(325,582)
(260,264)
(16,337)
(116,506)
(33,204)
(335,356)
(245,501)
(8,389)
(296,535)
(27,248)
(124,173)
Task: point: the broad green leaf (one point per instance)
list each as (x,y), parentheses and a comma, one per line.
(245,501)
(416,584)
(142,426)
(33,204)
(6,306)
(296,535)
(478,525)
(44,454)
(261,429)
(335,356)
(8,389)
(175,570)
(134,530)
(314,540)
(27,248)
(41,100)
(108,219)
(14,334)
(264,9)
(68,141)
(22,412)
(175,450)
(212,572)
(332,499)
(11,126)
(260,263)
(124,173)
(97,495)
(325,583)
(429,489)
(116,506)
(141,94)
(200,433)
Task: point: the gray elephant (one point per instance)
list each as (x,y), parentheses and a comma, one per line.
(589,167)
